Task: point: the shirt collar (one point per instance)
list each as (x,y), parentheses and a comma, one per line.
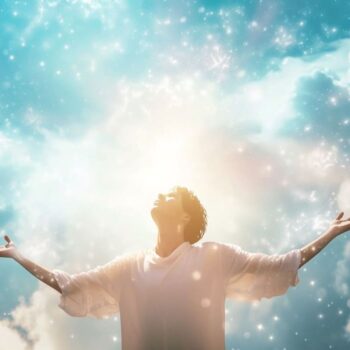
(175,253)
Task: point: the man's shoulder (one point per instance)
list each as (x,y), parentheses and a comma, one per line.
(211,244)
(217,246)
(208,245)
(204,244)
(128,257)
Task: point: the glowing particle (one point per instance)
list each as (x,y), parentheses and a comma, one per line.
(196,275)
(333,100)
(205,302)
(260,326)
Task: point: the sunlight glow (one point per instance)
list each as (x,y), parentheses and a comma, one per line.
(168,163)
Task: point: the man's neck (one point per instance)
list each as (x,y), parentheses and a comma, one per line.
(166,245)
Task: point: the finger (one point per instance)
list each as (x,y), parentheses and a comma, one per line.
(7,238)
(340,215)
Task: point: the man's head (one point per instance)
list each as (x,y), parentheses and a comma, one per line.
(180,207)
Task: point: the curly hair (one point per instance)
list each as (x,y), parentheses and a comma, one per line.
(195,228)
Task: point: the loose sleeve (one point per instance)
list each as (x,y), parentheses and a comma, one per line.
(252,276)
(94,293)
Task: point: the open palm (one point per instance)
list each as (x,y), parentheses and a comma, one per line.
(8,250)
(340,226)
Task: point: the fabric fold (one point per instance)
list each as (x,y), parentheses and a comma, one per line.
(93,293)
(253,276)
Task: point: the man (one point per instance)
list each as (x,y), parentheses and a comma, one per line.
(173,296)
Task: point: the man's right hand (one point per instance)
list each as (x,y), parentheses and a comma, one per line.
(9,250)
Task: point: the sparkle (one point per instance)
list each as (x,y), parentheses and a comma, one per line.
(196,275)
(260,326)
(246,334)
(205,302)
(333,100)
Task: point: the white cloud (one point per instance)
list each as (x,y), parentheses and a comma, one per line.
(269,101)
(343,198)
(11,337)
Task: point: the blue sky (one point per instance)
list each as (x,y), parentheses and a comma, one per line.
(104,104)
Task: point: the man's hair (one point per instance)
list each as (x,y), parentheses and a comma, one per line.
(195,228)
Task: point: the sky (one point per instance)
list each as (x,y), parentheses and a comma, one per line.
(106,104)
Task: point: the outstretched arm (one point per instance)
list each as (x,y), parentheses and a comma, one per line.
(44,275)
(336,228)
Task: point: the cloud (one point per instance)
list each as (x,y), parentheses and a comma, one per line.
(341,281)
(47,327)
(10,335)
(321,106)
(342,272)
(343,197)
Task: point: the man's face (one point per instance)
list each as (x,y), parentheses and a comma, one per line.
(168,207)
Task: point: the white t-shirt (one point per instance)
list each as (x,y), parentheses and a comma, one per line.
(176,302)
